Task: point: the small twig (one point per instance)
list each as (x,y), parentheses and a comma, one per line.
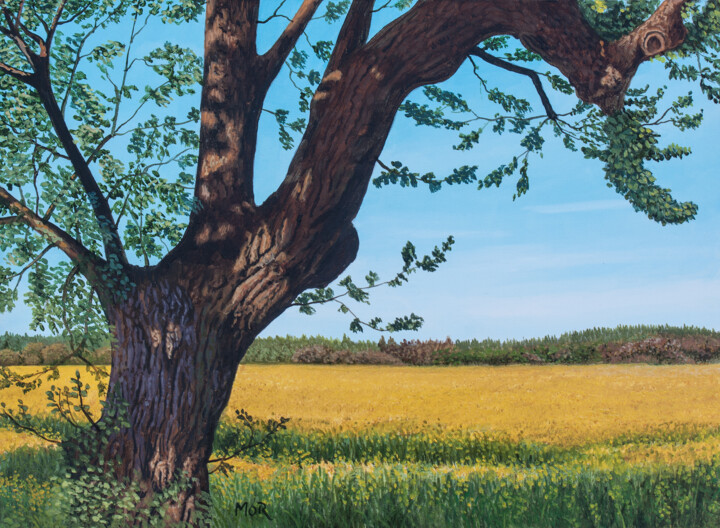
(29,428)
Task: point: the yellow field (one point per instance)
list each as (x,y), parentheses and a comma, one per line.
(562,405)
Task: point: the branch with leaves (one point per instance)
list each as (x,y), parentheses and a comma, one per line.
(534,76)
(411,263)
(236,449)
(40,80)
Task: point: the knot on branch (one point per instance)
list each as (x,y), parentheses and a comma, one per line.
(335,260)
(653,42)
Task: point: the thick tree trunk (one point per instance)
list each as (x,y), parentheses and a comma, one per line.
(173,365)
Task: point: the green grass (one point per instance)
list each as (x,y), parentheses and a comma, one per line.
(415,496)
(430,479)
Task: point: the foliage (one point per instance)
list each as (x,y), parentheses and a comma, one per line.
(411,264)
(324,355)
(281,349)
(416,352)
(228,444)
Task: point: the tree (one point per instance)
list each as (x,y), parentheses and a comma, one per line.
(183,319)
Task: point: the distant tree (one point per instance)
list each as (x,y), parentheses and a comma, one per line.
(93,167)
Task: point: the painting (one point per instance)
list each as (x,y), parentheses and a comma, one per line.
(359,263)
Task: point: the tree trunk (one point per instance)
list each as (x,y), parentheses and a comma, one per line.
(174,366)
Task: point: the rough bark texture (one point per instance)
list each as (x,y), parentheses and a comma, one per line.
(184,327)
(172,367)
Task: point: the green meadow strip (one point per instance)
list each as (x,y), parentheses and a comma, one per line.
(413,496)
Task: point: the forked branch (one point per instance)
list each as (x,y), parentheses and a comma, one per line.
(509,66)
(41,81)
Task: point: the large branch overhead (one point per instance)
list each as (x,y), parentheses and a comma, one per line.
(354,32)
(353,107)
(275,57)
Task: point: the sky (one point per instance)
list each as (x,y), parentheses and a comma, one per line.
(571,254)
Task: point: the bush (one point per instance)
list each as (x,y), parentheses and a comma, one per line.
(663,349)
(416,352)
(55,354)
(375,357)
(9,358)
(32,354)
(320,354)
(313,354)
(101,356)
(502,357)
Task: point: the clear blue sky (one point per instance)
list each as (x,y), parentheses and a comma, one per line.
(569,255)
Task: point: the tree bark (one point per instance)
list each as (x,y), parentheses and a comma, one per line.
(172,367)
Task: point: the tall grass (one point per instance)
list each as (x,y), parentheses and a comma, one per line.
(578,492)
(417,496)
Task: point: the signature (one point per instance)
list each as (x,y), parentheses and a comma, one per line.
(251,509)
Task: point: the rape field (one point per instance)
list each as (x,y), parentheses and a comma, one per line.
(593,445)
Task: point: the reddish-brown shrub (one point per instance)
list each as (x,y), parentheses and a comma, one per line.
(55,354)
(532,358)
(32,354)
(9,358)
(375,357)
(661,349)
(415,352)
(319,354)
(313,354)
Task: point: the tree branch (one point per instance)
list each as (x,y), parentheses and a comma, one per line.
(55,22)
(275,14)
(98,201)
(10,220)
(600,71)
(275,57)
(40,80)
(495,61)
(14,72)
(28,428)
(31,263)
(353,34)
(88,262)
